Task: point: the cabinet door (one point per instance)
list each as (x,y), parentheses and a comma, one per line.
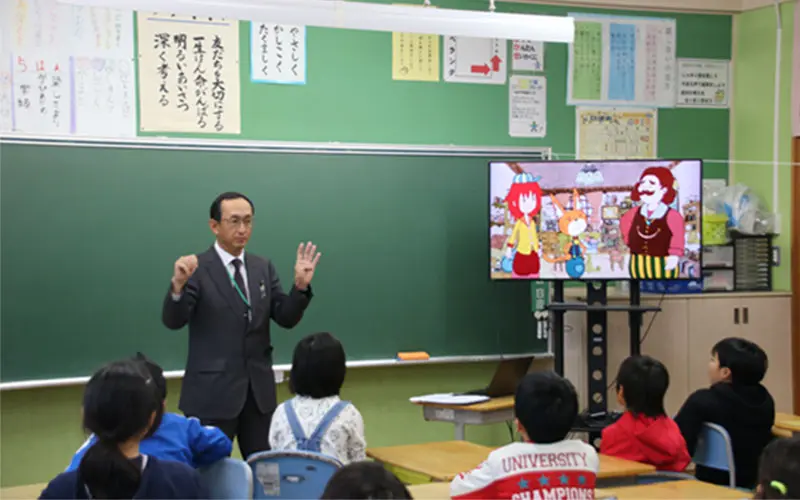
(769,325)
(667,341)
(710,320)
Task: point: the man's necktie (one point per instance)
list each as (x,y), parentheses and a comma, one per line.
(237,276)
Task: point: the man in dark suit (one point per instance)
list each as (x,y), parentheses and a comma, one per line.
(228,298)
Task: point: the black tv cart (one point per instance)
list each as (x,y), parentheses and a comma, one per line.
(596,308)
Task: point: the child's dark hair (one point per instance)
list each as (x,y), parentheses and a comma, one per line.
(156,374)
(119,403)
(364,480)
(644,382)
(318,366)
(746,360)
(779,469)
(546,405)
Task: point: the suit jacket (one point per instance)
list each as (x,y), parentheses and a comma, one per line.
(227,351)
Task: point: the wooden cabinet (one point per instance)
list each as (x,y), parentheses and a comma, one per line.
(682,335)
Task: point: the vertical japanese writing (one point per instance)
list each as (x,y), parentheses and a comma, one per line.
(218,87)
(277,53)
(182,81)
(277,30)
(200,82)
(40,91)
(451,55)
(56,95)
(295,44)
(161,44)
(263,36)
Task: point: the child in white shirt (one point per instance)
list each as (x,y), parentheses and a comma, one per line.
(545,465)
(316,419)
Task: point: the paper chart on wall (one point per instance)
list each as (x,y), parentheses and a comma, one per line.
(277,53)
(616,133)
(188,74)
(527,106)
(105,96)
(475,60)
(527,55)
(415,57)
(624,61)
(703,83)
(41,90)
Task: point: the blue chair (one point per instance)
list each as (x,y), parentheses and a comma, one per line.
(228,479)
(291,473)
(714,450)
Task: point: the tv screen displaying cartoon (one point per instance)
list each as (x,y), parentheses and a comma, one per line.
(595,220)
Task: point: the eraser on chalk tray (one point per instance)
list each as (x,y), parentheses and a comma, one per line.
(413,356)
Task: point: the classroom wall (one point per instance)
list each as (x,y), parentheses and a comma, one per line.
(752,116)
(40,428)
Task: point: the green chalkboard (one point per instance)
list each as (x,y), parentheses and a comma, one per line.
(350,95)
(90,235)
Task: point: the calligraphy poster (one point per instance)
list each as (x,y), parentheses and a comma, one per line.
(104,100)
(527,55)
(415,57)
(188,74)
(703,83)
(475,60)
(277,53)
(616,133)
(627,61)
(41,92)
(527,106)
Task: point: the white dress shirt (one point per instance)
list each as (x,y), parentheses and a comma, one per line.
(227,261)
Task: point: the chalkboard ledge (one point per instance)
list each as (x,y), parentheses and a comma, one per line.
(281,369)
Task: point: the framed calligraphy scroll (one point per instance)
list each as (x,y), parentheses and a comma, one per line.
(188,74)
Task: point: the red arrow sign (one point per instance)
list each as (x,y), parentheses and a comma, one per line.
(496,63)
(480,69)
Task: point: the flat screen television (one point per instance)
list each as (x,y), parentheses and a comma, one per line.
(595,220)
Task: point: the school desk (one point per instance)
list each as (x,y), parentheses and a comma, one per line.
(442,461)
(27,492)
(788,423)
(494,411)
(430,491)
(674,490)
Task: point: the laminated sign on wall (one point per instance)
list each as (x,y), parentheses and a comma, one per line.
(703,83)
(474,60)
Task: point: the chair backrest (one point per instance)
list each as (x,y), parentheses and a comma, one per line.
(228,479)
(714,450)
(291,473)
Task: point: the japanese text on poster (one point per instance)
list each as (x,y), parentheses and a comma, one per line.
(6,122)
(616,133)
(105,96)
(703,83)
(622,61)
(277,53)
(527,55)
(527,106)
(188,74)
(415,57)
(475,60)
(41,92)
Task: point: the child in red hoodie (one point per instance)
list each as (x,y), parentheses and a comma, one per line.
(645,433)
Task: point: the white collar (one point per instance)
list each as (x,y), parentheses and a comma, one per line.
(226,257)
(658,213)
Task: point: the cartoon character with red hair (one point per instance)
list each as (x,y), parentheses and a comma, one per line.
(653,230)
(524,201)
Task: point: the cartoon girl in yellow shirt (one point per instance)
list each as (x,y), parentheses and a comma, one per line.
(524,201)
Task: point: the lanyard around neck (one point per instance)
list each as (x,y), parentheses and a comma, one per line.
(239,290)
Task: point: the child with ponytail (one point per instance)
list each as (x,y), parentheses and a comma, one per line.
(779,470)
(120,406)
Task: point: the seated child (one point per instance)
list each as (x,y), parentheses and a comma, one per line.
(121,407)
(738,402)
(779,470)
(644,433)
(316,419)
(175,437)
(362,480)
(545,465)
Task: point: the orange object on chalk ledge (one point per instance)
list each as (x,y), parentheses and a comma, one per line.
(413,356)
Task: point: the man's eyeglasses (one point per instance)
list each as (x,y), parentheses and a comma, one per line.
(237,221)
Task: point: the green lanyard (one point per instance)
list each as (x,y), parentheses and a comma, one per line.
(241,293)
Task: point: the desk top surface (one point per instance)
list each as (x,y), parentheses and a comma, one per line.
(787,421)
(673,490)
(444,460)
(494,404)
(676,490)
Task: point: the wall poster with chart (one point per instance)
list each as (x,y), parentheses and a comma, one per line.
(625,61)
(615,133)
(188,74)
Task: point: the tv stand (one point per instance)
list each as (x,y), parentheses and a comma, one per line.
(596,308)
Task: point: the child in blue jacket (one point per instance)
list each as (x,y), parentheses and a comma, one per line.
(177,438)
